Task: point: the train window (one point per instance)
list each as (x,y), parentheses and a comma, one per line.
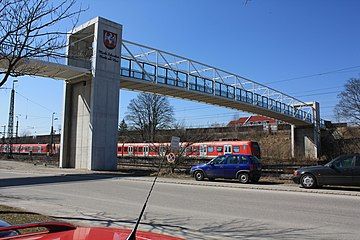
(125,149)
(236,149)
(210,149)
(244,147)
(119,149)
(194,149)
(219,149)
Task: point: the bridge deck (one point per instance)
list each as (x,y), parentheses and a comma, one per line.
(48,69)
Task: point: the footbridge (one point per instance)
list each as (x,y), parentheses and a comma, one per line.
(99,62)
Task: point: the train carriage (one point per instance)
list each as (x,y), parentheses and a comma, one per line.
(195,150)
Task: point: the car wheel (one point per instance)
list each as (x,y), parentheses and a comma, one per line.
(243,177)
(308,181)
(199,176)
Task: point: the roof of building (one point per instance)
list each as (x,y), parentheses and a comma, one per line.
(251,120)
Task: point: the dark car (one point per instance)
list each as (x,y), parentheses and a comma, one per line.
(243,167)
(343,170)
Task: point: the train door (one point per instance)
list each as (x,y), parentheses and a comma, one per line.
(202,151)
(227,149)
(162,150)
(146,151)
(131,150)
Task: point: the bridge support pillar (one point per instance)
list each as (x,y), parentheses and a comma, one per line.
(91,104)
(305,140)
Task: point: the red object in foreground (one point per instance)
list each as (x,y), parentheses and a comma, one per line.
(66,231)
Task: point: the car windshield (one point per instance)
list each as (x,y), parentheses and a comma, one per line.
(218,160)
(337,160)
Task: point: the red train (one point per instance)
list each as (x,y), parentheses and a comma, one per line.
(203,149)
(26,148)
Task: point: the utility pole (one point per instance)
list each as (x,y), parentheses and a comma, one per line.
(4,133)
(11,120)
(52,143)
(17,128)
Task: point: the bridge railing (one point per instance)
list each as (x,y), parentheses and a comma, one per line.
(186,81)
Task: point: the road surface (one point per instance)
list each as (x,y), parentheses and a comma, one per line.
(190,211)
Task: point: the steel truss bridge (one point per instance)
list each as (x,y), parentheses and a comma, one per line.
(152,70)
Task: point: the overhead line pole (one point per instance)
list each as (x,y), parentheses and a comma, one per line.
(11,120)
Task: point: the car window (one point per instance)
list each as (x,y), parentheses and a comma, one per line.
(345,162)
(242,160)
(232,160)
(255,159)
(219,160)
(357,161)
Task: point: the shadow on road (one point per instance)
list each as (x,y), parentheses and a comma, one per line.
(341,188)
(211,229)
(263,183)
(65,178)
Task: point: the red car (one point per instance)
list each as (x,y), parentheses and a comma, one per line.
(66,231)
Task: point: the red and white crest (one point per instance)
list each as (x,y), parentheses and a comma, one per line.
(110,39)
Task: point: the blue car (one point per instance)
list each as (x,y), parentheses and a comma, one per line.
(246,168)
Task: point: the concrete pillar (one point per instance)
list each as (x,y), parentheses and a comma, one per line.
(91,104)
(305,140)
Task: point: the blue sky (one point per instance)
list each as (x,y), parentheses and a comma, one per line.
(271,42)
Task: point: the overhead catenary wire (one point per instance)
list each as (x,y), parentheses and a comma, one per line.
(48,109)
(313,75)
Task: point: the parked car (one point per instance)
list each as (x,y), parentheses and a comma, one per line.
(231,166)
(67,231)
(343,170)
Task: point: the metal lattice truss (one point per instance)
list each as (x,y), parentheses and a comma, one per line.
(156,65)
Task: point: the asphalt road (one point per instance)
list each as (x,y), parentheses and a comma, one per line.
(191,211)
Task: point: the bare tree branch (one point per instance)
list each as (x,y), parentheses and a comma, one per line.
(148,113)
(31,29)
(348,107)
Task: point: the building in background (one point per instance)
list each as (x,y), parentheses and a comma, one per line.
(254,120)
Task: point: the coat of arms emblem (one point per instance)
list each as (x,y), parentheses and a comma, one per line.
(110,39)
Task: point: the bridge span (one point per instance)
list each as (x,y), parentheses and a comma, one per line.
(99,62)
